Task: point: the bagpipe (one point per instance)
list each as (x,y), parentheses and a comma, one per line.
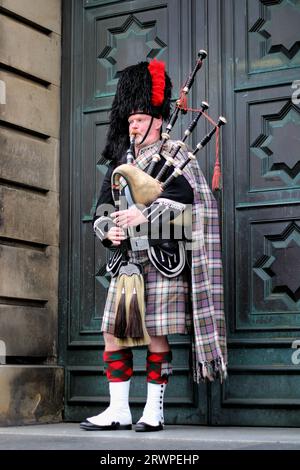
(144,189)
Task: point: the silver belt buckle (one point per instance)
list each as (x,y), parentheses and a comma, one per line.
(139,244)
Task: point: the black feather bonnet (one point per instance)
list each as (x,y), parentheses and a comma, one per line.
(142,88)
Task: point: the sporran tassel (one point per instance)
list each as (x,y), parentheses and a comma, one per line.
(132,284)
(134,326)
(120,321)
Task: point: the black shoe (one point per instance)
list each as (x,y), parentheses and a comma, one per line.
(114,426)
(144,427)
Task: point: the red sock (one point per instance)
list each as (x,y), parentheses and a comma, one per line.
(159,367)
(118,365)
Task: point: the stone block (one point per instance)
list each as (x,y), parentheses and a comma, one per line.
(30,394)
(29,331)
(29,160)
(29,50)
(29,274)
(30,105)
(29,216)
(42,12)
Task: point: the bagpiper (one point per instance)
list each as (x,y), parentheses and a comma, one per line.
(158,216)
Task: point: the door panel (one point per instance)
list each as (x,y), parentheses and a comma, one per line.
(253,59)
(269,124)
(267,41)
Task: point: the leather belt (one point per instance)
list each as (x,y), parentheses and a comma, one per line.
(143,243)
(139,243)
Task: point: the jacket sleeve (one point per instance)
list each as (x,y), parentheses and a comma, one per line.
(105,205)
(171,203)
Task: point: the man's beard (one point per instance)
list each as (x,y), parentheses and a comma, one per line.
(139,139)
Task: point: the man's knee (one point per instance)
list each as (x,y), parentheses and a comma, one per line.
(158,344)
(111,342)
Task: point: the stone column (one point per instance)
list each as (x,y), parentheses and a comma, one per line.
(31,382)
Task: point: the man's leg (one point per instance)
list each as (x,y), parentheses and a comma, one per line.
(159,359)
(118,367)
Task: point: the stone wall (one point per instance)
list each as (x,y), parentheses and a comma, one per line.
(31,382)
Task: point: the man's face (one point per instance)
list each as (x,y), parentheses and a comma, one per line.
(139,124)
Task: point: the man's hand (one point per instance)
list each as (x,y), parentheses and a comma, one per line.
(116,235)
(129,217)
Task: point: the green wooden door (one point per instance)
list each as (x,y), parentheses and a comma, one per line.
(102,38)
(252,67)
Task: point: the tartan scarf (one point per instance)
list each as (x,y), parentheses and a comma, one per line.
(209,350)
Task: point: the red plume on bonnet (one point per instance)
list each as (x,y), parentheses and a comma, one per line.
(157,72)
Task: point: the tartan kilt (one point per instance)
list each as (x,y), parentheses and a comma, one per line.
(168,307)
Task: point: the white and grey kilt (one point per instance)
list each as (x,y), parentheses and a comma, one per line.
(168,309)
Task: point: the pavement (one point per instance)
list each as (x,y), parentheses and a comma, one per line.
(68,436)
